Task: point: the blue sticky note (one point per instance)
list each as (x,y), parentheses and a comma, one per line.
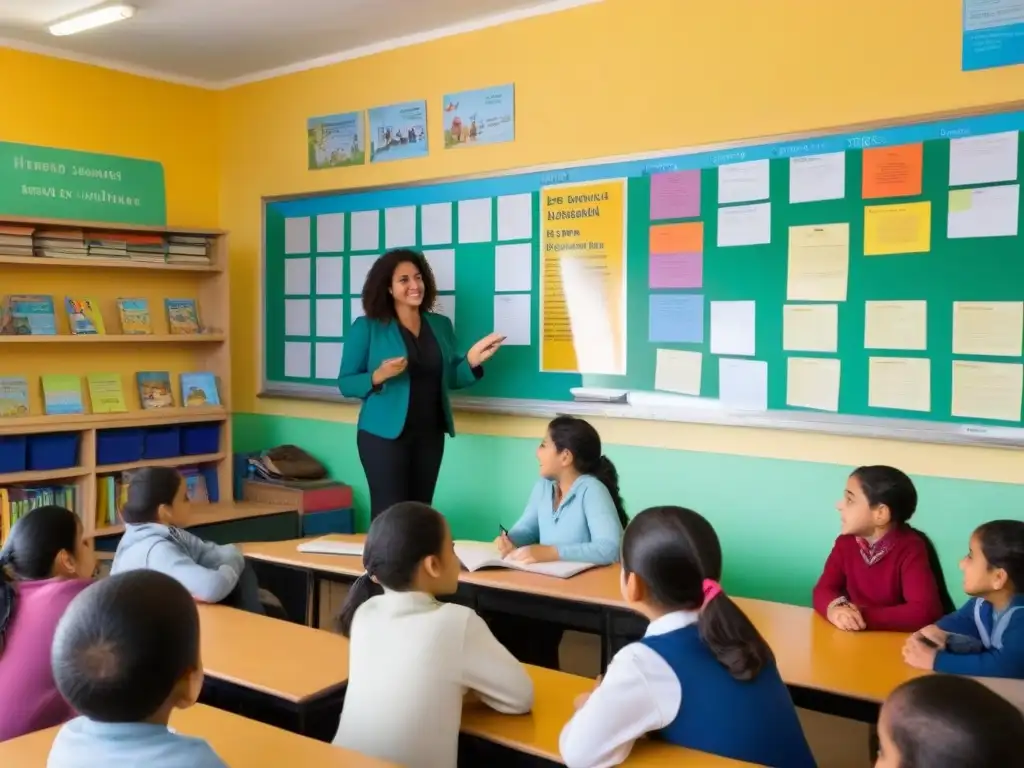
(677,317)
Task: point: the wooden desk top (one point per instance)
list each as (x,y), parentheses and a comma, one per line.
(238,741)
(537,733)
(811,653)
(285,660)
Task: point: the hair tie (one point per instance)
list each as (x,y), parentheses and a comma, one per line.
(712,589)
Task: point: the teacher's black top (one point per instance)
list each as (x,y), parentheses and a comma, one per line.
(426,410)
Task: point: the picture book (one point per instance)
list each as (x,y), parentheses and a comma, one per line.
(106,393)
(16,502)
(28,315)
(182,316)
(84,316)
(135,320)
(13,396)
(62,394)
(155,389)
(475,555)
(195,485)
(199,389)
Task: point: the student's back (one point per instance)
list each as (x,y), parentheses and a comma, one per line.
(46,555)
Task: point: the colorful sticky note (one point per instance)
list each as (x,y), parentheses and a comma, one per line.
(960,200)
(892,171)
(892,229)
(675,195)
(677,270)
(677,238)
(677,317)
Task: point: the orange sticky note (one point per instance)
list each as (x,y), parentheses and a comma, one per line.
(678,238)
(893,171)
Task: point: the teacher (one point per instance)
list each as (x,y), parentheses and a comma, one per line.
(401,359)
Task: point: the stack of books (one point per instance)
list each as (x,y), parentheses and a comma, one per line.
(188,249)
(61,244)
(16,240)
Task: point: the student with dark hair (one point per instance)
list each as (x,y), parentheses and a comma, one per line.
(413,658)
(985,638)
(157,504)
(881,574)
(400,359)
(940,721)
(44,564)
(125,656)
(702,677)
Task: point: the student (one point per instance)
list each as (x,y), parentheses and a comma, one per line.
(985,638)
(701,677)
(43,565)
(156,505)
(941,721)
(126,655)
(881,574)
(412,658)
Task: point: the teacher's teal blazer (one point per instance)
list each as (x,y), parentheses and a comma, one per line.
(371,342)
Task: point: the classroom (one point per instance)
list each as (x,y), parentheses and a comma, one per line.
(622,103)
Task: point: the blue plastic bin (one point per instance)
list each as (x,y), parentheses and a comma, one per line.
(118,446)
(13,450)
(161,443)
(58,450)
(198,439)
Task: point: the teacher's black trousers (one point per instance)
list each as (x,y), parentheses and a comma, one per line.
(402,469)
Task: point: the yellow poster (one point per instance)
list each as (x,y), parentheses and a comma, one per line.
(583,278)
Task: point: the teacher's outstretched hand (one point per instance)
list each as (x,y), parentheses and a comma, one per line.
(401,359)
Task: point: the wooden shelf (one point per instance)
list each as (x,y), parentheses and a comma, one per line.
(43,261)
(207,514)
(176,461)
(116,338)
(77,422)
(44,476)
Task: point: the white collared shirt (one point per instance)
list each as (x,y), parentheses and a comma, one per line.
(639,693)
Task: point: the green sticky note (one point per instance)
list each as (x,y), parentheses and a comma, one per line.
(960,200)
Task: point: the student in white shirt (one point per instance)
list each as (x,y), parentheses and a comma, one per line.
(413,658)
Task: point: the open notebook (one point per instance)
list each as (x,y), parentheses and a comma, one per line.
(479,554)
(328,546)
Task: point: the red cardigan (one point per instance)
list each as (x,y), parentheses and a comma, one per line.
(898,593)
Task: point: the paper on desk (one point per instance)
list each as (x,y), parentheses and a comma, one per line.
(744,225)
(296,317)
(365,227)
(436,224)
(987,390)
(675,195)
(810,327)
(984,212)
(400,227)
(442,265)
(328,546)
(983,159)
(513,267)
(328,359)
(512,313)
(678,371)
(903,383)
(896,325)
(988,328)
(515,217)
(296,235)
(892,171)
(732,327)
(296,277)
(813,382)
(743,182)
(743,384)
(297,359)
(358,269)
(330,233)
(894,229)
(330,275)
(819,262)
(817,177)
(475,220)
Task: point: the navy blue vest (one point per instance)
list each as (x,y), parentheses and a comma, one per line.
(754,721)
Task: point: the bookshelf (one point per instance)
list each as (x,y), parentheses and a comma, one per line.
(105,280)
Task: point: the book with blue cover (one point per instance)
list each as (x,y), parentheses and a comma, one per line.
(198,389)
(28,315)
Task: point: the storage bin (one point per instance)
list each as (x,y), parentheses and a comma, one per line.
(58,450)
(12,454)
(161,442)
(331,521)
(118,446)
(198,439)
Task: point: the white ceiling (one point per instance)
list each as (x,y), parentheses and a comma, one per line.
(224,42)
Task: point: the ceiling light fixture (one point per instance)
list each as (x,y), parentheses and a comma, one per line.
(97,17)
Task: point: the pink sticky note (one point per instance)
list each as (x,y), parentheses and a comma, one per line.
(676,270)
(675,195)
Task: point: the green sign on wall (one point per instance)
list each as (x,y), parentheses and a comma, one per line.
(51,183)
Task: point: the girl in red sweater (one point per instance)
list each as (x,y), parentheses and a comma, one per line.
(881,574)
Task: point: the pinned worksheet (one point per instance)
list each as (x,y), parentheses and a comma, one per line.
(902,383)
(513,267)
(400,227)
(442,265)
(330,233)
(987,390)
(897,229)
(296,277)
(983,212)
(296,235)
(515,217)
(733,330)
(993,328)
(896,325)
(436,224)
(678,371)
(984,159)
(743,182)
(675,195)
(810,327)
(475,220)
(818,264)
(743,384)
(512,313)
(744,225)
(813,382)
(892,171)
(365,227)
(677,317)
(817,177)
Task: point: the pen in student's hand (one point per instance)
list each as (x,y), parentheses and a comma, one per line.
(502,530)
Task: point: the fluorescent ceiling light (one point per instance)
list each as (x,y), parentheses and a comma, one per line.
(97,17)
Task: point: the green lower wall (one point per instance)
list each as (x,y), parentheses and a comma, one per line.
(776,518)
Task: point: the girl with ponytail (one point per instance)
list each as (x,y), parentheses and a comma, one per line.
(44,564)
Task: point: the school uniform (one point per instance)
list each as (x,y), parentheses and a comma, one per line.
(412,659)
(891,581)
(403,422)
(670,685)
(984,642)
(85,743)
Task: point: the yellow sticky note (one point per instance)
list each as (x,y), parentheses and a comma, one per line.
(819,262)
(903,383)
(893,229)
(960,200)
(987,390)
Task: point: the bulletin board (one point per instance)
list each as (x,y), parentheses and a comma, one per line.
(867,281)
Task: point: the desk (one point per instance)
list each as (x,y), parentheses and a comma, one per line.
(238,741)
(274,671)
(536,734)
